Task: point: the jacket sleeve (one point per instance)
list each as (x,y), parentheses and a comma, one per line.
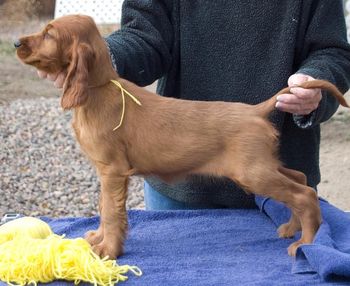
(325,54)
(141,49)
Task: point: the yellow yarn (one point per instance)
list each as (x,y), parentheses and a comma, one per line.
(31,253)
(123,92)
(25,226)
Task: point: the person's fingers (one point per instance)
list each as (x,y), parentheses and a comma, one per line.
(42,74)
(57,78)
(288,98)
(296,108)
(307,99)
(52,76)
(300,101)
(301,97)
(307,94)
(60,80)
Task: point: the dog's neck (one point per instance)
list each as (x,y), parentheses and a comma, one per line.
(102,70)
(99,87)
(101,75)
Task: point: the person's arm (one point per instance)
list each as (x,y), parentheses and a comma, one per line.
(324,53)
(141,49)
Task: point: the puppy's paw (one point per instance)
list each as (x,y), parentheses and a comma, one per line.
(94,237)
(292,249)
(104,249)
(287,230)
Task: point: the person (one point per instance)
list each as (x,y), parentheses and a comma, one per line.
(242,51)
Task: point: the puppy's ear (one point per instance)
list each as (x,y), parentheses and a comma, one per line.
(75,88)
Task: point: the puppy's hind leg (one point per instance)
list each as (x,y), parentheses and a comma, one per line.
(268,181)
(306,206)
(303,213)
(289,229)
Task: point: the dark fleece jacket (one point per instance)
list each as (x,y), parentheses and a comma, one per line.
(236,51)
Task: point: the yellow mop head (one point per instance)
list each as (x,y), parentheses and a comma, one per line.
(31,253)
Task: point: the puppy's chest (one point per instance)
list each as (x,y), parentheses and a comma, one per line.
(93,140)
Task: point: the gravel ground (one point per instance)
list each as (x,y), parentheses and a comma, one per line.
(43,172)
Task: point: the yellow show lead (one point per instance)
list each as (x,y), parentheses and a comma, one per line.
(123,92)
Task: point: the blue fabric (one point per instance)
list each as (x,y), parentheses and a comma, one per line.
(329,255)
(226,247)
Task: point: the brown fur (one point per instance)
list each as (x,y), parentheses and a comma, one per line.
(165,137)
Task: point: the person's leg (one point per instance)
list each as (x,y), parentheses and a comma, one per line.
(157,201)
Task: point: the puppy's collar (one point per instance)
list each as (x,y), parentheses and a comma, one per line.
(123,92)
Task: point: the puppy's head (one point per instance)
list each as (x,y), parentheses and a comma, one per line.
(66,44)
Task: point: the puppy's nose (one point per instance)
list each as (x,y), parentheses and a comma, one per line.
(17,44)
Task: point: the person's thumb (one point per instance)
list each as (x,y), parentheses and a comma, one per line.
(297,79)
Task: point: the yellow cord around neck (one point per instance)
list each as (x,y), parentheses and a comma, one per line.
(123,92)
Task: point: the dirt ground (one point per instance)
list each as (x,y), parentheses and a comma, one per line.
(18,81)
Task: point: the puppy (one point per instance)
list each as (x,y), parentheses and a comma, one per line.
(164,137)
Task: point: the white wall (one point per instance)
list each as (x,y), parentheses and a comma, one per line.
(347,16)
(103,11)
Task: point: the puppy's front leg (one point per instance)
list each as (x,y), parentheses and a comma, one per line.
(96,236)
(113,215)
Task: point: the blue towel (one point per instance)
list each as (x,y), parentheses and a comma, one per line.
(226,247)
(329,255)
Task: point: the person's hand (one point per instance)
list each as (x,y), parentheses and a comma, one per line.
(57,78)
(300,101)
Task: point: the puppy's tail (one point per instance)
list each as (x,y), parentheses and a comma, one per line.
(266,107)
